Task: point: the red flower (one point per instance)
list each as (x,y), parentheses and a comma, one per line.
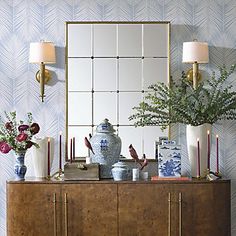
(22,128)
(34,128)
(4,147)
(9,125)
(22,137)
(29,144)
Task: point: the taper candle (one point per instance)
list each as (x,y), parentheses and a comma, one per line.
(60,150)
(217,153)
(71,150)
(208,150)
(48,156)
(66,150)
(198,158)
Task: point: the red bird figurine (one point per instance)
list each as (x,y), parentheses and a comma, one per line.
(134,154)
(88,145)
(145,162)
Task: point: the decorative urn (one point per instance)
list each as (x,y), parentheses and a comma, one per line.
(120,171)
(106,146)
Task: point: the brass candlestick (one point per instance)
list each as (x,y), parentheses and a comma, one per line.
(213,175)
(58,175)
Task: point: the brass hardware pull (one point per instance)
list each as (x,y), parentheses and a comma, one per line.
(180,214)
(66,215)
(55,213)
(169,214)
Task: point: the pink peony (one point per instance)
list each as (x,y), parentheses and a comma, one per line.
(4,147)
(22,128)
(22,137)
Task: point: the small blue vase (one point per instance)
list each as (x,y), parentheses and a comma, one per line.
(19,167)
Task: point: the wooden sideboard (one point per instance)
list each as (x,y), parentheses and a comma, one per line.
(107,208)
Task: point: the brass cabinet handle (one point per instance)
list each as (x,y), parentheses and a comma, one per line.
(55,213)
(66,214)
(180,214)
(169,214)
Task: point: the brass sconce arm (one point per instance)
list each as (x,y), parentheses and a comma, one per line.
(42,80)
(195,75)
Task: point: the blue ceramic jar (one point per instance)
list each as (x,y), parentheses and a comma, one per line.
(106,146)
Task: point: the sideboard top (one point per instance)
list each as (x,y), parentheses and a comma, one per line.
(31,180)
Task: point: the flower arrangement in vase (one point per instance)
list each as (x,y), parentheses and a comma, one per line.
(17,136)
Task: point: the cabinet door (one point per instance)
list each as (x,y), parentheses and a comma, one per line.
(182,210)
(90,209)
(144,209)
(211,209)
(32,209)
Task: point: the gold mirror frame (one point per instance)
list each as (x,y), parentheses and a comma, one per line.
(104,22)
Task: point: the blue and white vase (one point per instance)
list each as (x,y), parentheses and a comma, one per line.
(106,146)
(20,167)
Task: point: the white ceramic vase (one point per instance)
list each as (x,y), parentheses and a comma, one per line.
(192,134)
(40,156)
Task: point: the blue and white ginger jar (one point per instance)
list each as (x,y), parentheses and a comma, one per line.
(120,171)
(106,146)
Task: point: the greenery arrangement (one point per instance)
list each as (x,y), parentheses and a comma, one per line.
(212,101)
(15,135)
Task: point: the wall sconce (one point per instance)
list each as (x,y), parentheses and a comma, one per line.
(195,52)
(42,53)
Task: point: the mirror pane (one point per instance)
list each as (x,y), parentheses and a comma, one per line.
(154,70)
(79,133)
(126,102)
(130,40)
(105,40)
(130,74)
(155,37)
(150,135)
(105,73)
(130,135)
(79,40)
(105,107)
(79,108)
(79,74)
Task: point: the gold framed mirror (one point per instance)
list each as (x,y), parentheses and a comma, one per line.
(109,66)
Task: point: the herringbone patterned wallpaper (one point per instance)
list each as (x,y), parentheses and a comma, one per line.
(24,21)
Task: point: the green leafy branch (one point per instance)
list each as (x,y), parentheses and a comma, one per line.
(180,103)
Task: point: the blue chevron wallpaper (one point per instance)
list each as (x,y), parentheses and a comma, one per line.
(25,21)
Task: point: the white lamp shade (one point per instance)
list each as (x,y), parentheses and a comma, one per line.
(42,52)
(195,52)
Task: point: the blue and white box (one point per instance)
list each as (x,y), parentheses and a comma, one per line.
(169,160)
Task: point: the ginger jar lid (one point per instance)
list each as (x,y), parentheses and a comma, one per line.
(105,127)
(120,164)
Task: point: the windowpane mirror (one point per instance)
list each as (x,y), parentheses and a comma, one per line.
(109,66)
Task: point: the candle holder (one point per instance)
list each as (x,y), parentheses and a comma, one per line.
(48,177)
(211,176)
(218,174)
(58,175)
